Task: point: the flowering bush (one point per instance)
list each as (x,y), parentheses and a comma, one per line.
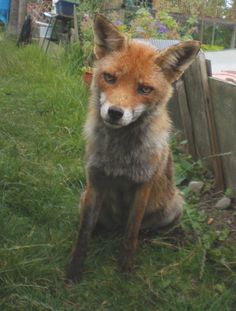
(117,21)
(138,25)
(144,25)
(163,26)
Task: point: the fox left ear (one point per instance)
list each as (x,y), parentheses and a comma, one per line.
(176,59)
(107,38)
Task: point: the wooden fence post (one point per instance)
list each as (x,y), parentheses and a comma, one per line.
(186,117)
(202,117)
(197,107)
(215,150)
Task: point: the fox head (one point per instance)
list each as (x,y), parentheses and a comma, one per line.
(133,78)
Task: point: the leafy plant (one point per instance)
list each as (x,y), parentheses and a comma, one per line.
(229,192)
(186,169)
(211,48)
(189,28)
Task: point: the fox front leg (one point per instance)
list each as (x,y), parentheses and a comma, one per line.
(133,226)
(90,206)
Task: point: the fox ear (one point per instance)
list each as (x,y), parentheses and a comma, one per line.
(176,59)
(107,38)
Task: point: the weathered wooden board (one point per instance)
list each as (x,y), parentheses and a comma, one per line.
(224,106)
(214,144)
(186,117)
(204,110)
(174,110)
(197,105)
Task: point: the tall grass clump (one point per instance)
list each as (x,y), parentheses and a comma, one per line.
(41,141)
(42,110)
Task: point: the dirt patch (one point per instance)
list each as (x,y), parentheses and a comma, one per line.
(221,219)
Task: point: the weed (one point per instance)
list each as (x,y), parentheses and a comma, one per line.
(229,192)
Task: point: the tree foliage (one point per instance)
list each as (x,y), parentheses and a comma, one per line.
(211,8)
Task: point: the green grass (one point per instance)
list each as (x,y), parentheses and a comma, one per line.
(42,109)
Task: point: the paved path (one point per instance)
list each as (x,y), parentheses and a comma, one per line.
(222,60)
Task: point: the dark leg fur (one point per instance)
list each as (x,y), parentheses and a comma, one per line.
(133,226)
(90,206)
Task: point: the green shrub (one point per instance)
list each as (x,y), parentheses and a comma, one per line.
(212,48)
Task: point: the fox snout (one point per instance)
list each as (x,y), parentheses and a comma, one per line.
(116,116)
(115,113)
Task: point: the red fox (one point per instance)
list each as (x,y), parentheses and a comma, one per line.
(129,168)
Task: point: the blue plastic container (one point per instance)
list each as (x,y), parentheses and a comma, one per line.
(65,8)
(4,11)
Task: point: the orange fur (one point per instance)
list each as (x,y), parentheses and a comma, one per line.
(132,70)
(130,182)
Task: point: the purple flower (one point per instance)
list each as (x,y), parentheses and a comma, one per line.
(162,29)
(118,22)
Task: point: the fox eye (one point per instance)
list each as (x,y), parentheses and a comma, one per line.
(144,90)
(109,78)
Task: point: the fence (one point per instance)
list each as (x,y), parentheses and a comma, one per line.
(204,109)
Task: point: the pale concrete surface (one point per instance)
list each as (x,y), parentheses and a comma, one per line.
(222,60)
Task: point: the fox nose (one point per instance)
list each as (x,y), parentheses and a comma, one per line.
(115,113)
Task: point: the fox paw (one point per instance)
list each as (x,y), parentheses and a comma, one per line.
(73,273)
(126,265)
